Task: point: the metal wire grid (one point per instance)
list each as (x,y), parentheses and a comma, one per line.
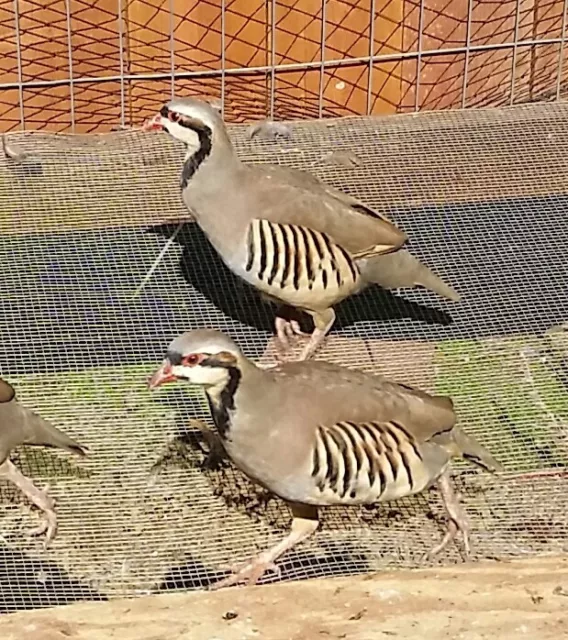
(99,68)
(82,224)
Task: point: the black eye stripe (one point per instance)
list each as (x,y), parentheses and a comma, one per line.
(173,116)
(175,358)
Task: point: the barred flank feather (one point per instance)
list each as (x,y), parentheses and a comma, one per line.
(288,256)
(372,455)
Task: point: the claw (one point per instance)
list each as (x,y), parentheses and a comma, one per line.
(287,331)
(457,520)
(295,329)
(249,572)
(48,525)
(39,497)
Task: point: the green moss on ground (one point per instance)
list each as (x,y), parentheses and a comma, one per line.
(101,408)
(110,386)
(509,393)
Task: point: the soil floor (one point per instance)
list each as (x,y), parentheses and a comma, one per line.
(494,600)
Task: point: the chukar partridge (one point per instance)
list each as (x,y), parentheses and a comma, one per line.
(300,242)
(317,434)
(19,425)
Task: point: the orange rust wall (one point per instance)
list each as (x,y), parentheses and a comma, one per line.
(489,72)
(95,52)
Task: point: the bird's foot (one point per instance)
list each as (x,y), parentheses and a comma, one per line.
(249,572)
(323,323)
(40,497)
(48,526)
(287,332)
(269,130)
(458,523)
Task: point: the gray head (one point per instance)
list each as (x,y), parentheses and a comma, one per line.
(203,357)
(188,120)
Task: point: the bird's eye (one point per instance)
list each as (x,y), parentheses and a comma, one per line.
(173,116)
(191,360)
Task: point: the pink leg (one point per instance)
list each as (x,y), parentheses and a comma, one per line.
(316,339)
(457,517)
(323,322)
(304,524)
(40,498)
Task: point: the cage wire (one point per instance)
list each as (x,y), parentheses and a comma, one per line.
(482,195)
(99,275)
(90,65)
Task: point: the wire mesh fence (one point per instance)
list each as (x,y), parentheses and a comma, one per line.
(83,65)
(482,195)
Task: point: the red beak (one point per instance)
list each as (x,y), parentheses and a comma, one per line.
(162,375)
(154,124)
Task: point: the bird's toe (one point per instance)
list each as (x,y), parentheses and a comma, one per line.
(246,573)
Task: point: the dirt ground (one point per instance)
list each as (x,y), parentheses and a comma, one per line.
(496,600)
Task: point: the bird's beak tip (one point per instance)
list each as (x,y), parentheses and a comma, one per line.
(161,376)
(153,124)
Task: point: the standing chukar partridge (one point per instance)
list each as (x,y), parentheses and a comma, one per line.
(18,426)
(316,434)
(300,242)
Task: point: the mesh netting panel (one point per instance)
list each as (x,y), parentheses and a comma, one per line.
(483,197)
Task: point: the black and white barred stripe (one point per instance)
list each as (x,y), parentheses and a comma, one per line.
(374,455)
(291,256)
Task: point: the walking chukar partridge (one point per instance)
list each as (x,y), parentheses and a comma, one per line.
(300,242)
(18,426)
(317,434)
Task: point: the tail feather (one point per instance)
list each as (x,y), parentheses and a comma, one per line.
(402,269)
(41,432)
(471,450)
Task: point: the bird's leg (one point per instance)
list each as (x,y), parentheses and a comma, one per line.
(457,518)
(304,524)
(323,322)
(40,498)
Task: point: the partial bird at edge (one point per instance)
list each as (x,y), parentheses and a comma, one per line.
(21,426)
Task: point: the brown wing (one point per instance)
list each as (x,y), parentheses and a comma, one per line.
(289,196)
(333,394)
